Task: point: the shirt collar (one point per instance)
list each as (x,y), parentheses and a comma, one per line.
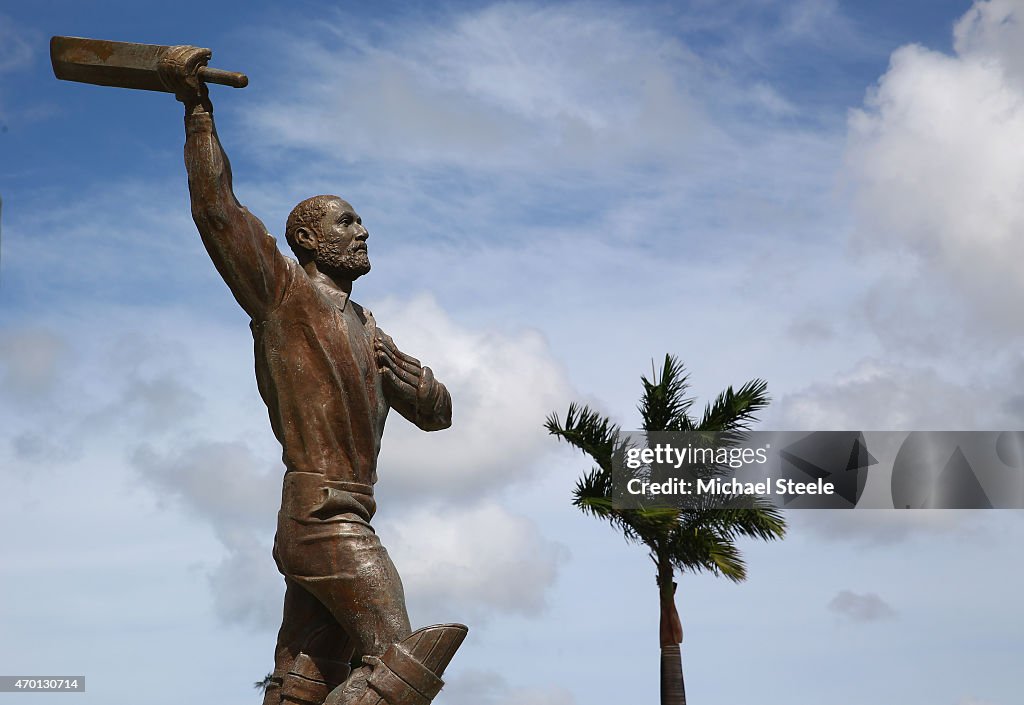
(340,298)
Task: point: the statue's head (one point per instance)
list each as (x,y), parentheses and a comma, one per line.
(327,230)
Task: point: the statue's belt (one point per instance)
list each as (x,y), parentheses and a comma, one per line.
(311,497)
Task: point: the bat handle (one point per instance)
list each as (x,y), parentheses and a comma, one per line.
(224,78)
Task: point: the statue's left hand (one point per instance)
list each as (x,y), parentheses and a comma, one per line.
(401,370)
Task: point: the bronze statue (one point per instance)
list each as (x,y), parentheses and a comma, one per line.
(328,376)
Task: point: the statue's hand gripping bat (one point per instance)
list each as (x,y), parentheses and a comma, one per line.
(128,65)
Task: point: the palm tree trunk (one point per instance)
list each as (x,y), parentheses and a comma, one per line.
(672,690)
(670,630)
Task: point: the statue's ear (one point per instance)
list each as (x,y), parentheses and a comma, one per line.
(305,238)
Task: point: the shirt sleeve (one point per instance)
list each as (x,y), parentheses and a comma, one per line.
(244,253)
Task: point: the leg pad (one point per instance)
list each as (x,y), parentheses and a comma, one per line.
(311,679)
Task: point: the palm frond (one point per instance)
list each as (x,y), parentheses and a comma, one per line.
(732,412)
(664,404)
(726,559)
(702,549)
(593,494)
(589,431)
(763,520)
(757,517)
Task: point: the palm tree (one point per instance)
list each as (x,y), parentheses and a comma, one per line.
(693,536)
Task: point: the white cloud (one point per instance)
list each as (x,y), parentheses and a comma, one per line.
(866,607)
(156,402)
(65,385)
(992,29)
(503,385)
(936,162)
(238,494)
(247,588)
(772,101)
(511,85)
(879,395)
(221,481)
(811,19)
(459,563)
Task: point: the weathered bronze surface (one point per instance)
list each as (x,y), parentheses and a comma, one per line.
(329,376)
(123,64)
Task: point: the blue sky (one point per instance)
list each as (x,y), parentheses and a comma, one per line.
(824,194)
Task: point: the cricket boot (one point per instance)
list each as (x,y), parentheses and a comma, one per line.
(408,673)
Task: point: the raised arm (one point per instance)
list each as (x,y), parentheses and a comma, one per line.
(411,388)
(238,243)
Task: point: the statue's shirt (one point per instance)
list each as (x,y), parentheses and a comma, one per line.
(317,374)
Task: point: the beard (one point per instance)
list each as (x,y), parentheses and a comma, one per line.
(349,263)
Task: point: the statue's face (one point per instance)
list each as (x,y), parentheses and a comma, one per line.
(341,246)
